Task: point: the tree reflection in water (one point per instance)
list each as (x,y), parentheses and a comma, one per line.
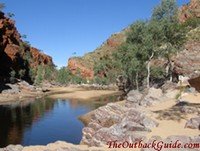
(14,119)
(45,120)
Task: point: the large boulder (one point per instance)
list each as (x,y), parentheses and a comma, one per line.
(153,96)
(134,96)
(116,122)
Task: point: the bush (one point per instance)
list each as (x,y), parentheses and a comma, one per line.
(12,76)
(77,79)
(32,74)
(192,23)
(39,76)
(22,73)
(63,76)
(101,81)
(49,72)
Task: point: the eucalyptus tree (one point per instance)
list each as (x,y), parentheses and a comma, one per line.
(165,15)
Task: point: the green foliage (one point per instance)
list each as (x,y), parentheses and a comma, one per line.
(27,43)
(32,74)
(106,70)
(22,73)
(76,79)
(63,76)
(28,56)
(43,73)
(12,76)
(101,80)
(167,10)
(39,77)
(194,35)
(49,72)
(162,36)
(192,23)
(157,72)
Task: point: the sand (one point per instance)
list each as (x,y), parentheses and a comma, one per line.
(174,126)
(79,93)
(69,92)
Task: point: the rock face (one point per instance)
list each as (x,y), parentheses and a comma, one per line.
(85,64)
(15,54)
(187,61)
(75,66)
(190,10)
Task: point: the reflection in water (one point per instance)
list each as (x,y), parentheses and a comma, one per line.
(43,121)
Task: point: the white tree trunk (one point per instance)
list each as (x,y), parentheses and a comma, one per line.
(136,80)
(149,70)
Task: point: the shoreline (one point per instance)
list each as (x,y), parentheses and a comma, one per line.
(69,92)
(166,128)
(76,93)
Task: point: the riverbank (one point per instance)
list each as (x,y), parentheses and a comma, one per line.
(74,92)
(78,93)
(154,114)
(146,116)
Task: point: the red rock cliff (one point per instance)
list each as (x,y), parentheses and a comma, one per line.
(190,10)
(16,54)
(85,64)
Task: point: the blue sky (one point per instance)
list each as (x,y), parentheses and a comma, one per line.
(62,27)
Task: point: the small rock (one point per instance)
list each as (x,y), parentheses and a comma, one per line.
(193,123)
(188,109)
(14,148)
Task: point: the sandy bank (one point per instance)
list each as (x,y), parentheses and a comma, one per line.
(22,96)
(171,121)
(78,93)
(57,92)
(57,146)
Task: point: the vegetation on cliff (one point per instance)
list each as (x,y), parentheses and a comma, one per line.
(18,60)
(159,38)
(136,53)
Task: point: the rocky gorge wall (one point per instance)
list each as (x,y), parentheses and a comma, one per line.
(190,10)
(86,63)
(15,54)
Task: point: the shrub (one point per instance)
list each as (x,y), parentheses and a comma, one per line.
(63,76)
(32,74)
(101,81)
(39,76)
(12,76)
(22,73)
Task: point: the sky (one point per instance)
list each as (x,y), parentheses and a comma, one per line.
(61,27)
